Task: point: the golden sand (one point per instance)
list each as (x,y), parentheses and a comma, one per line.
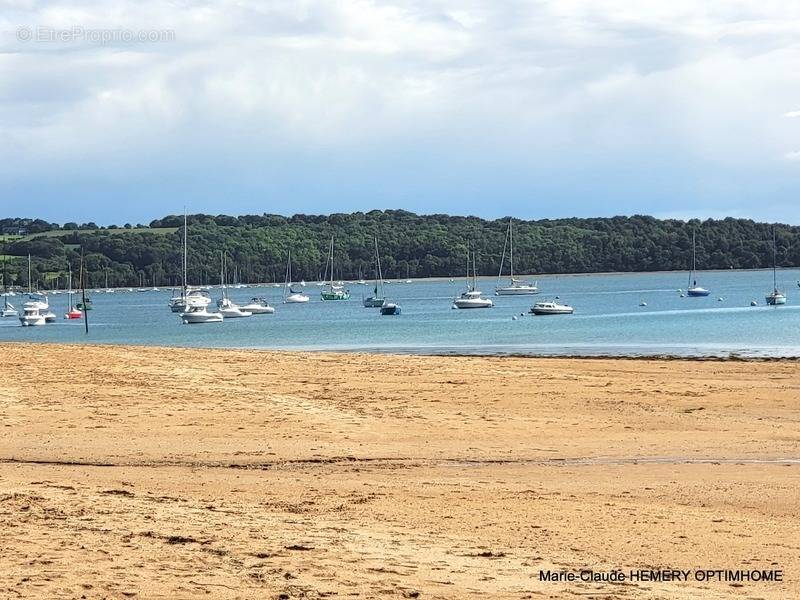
(130,472)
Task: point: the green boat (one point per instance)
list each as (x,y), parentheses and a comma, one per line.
(87,306)
(333,292)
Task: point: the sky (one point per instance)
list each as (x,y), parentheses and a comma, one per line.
(127,110)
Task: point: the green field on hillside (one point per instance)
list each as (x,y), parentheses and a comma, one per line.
(121,230)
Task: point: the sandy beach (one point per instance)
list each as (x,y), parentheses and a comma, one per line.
(133,472)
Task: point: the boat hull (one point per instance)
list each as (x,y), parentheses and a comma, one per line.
(328,296)
(775,299)
(697,292)
(390,309)
(234,313)
(195,319)
(473,303)
(296,299)
(373,302)
(516,291)
(32,321)
(258,310)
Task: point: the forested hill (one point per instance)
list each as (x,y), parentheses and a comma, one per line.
(417,245)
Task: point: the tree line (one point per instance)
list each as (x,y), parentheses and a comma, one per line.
(410,245)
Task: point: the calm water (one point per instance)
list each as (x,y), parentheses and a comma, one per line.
(607,321)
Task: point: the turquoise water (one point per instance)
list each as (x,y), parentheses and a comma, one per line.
(607,321)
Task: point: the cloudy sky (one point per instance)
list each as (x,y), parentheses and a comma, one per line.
(494,107)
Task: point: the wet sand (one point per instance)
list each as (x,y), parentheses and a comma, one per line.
(131,472)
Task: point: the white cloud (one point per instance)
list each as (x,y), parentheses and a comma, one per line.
(545,85)
(792,114)
(795,155)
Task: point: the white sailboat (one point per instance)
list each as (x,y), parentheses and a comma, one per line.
(228,308)
(776,297)
(472,298)
(516,287)
(335,291)
(289,295)
(8,308)
(377,299)
(695,290)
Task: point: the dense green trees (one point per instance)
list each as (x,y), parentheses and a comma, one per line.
(422,246)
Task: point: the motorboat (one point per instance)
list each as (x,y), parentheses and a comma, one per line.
(192,298)
(551,308)
(258,306)
(200,314)
(516,287)
(229,310)
(390,308)
(31,316)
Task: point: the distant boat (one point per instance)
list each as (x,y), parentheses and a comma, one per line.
(377,299)
(290,296)
(516,287)
(776,297)
(228,308)
(258,306)
(694,289)
(31,316)
(334,291)
(200,314)
(471,298)
(72,311)
(390,308)
(551,308)
(8,308)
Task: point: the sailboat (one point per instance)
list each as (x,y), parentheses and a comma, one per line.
(776,297)
(72,311)
(188,298)
(376,300)
(334,291)
(516,287)
(8,308)
(227,307)
(471,298)
(694,289)
(289,295)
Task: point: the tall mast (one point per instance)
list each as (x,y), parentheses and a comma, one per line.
(331,262)
(474,273)
(774,261)
(5,287)
(288,280)
(380,272)
(30,283)
(693,260)
(511,244)
(466,276)
(185,250)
